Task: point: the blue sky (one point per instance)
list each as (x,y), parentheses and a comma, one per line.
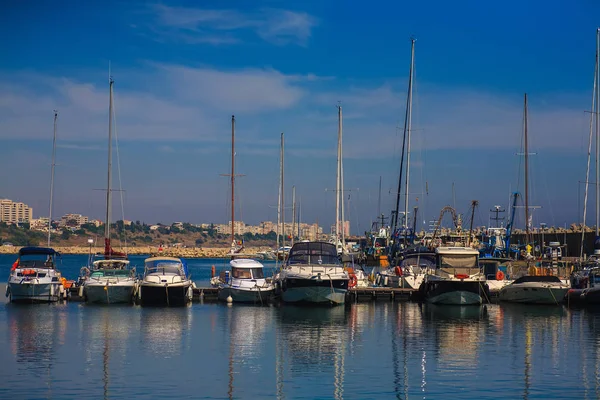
(181,70)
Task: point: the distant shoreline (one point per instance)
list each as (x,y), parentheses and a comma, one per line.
(183,252)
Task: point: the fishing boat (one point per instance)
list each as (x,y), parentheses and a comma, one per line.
(166,282)
(313,274)
(245,283)
(457,278)
(34,278)
(109,280)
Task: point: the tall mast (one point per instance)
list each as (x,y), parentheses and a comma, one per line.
(279,195)
(526,174)
(282,193)
(107,248)
(595,114)
(341,194)
(337,178)
(408,128)
(293,214)
(379,198)
(52,176)
(232,181)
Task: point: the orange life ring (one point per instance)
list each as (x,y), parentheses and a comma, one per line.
(398,271)
(499,275)
(352,281)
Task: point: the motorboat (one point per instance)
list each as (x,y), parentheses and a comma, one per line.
(166,282)
(496,273)
(245,283)
(410,268)
(535,289)
(457,278)
(34,278)
(313,274)
(110,281)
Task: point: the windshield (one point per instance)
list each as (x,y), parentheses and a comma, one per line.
(313,253)
(120,273)
(164,267)
(36,261)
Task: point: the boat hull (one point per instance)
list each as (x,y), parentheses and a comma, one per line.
(454,292)
(528,295)
(165,295)
(239,295)
(298,290)
(34,292)
(101,293)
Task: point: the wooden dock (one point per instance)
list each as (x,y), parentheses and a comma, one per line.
(361,294)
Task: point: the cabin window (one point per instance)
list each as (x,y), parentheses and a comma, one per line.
(257,273)
(241,273)
(458,261)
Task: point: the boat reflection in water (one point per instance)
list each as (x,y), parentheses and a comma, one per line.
(248,344)
(312,341)
(35,334)
(459,334)
(166,331)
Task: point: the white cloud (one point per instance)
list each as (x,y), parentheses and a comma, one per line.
(195,25)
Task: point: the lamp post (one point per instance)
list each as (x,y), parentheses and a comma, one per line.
(90,242)
(542,227)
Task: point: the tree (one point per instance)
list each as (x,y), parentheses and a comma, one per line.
(199,241)
(66,234)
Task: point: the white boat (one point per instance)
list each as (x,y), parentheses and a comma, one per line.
(34,278)
(245,283)
(535,290)
(313,274)
(166,282)
(457,278)
(110,282)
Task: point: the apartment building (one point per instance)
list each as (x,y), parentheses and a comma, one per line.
(14,212)
(72,220)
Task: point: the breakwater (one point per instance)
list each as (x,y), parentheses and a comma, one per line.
(183,252)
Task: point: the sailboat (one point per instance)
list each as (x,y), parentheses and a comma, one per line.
(313,272)
(109,280)
(33,277)
(533,288)
(245,281)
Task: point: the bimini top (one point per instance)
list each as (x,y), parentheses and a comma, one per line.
(245,263)
(457,250)
(313,253)
(34,250)
(155,263)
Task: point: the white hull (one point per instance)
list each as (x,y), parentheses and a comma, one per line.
(496,286)
(541,294)
(458,297)
(34,292)
(316,294)
(109,293)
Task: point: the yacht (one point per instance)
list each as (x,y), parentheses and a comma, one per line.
(245,283)
(313,274)
(110,281)
(456,279)
(34,278)
(535,289)
(166,282)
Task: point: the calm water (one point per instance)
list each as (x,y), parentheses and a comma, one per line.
(367,350)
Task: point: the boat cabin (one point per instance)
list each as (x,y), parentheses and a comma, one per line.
(165,266)
(36,257)
(246,269)
(321,253)
(460,262)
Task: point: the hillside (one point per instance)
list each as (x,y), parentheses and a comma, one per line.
(136,234)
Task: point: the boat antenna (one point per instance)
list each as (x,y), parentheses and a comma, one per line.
(52,176)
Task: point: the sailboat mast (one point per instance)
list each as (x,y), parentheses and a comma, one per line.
(232,180)
(597,116)
(282,194)
(408,128)
(279,196)
(526,174)
(293,214)
(379,198)
(52,177)
(337,178)
(342,216)
(107,249)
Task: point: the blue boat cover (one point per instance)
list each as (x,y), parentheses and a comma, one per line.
(34,250)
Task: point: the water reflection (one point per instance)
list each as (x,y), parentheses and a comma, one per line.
(166,331)
(459,333)
(35,334)
(313,341)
